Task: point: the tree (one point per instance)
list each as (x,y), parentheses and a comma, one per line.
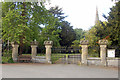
(91,36)
(97,32)
(67,34)
(51,31)
(114,27)
(51,28)
(114,24)
(79,33)
(22,21)
(76,43)
(15,18)
(107,30)
(57,13)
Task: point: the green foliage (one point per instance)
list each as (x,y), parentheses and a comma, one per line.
(93,54)
(57,12)
(7,60)
(22,23)
(97,32)
(79,33)
(76,43)
(50,30)
(54,58)
(7,57)
(14,23)
(114,24)
(106,30)
(10,60)
(67,34)
(91,36)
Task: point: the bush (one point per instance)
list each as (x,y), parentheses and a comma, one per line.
(7,57)
(94,51)
(7,60)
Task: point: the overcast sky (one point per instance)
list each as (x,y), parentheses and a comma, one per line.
(81,13)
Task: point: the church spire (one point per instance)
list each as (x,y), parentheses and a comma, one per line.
(97,16)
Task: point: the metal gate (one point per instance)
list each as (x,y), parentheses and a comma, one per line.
(66,55)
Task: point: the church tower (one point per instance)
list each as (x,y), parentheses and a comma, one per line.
(97,16)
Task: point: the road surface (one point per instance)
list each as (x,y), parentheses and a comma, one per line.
(56,71)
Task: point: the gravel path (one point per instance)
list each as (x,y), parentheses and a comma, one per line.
(56,71)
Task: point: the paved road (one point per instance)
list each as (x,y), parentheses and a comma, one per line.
(56,71)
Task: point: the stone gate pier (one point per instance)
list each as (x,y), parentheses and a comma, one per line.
(48,46)
(34,49)
(84,45)
(41,59)
(15,51)
(103,45)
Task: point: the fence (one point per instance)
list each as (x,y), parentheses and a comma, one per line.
(66,50)
(66,55)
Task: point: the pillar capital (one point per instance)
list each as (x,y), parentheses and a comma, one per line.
(48,43)
(34,43)
(14,44)
(84,42)
(103,42)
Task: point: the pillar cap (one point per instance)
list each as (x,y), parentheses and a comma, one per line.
(84,42)
(48,42)
(14,43)
(34,43)
(103,42)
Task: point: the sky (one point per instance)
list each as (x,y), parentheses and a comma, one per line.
(81,13)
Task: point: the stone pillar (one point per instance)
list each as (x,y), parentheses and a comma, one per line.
(34,49)
(15,51)
(103,45)
(48,46)
(84,45)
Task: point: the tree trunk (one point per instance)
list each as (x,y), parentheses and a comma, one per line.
(22,37)
(21,47)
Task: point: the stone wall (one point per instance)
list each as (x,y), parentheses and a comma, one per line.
(94,61)
(113,62)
